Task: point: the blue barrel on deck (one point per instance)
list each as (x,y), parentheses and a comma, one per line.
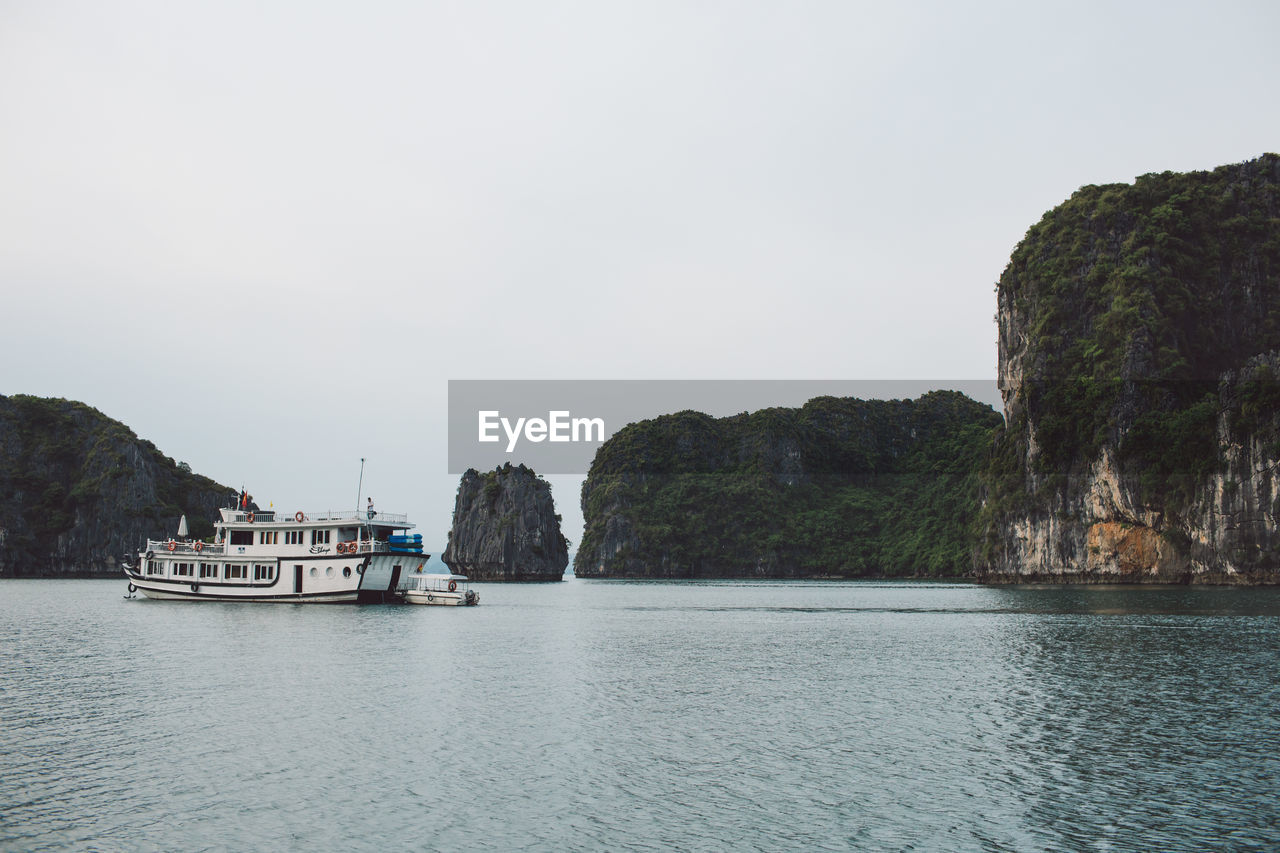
(405,543)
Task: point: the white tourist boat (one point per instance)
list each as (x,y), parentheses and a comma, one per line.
(326,557)
(448,590)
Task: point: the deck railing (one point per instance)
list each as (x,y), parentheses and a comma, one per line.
(358,517)
(377,546)
(162,545)
(266,516)
(259,515)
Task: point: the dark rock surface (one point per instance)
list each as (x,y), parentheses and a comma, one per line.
(78,490)
(505,528)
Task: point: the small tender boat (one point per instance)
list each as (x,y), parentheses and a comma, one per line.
(448,590)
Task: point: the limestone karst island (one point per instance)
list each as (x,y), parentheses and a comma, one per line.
(505,528)
(1139,364)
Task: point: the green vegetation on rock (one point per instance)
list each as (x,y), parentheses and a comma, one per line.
(1127,315)
(837,488)
(78,489)
(1125,304)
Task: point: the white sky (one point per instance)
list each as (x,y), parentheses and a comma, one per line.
(264,235)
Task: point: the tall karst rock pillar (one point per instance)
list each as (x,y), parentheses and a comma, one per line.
(505,528)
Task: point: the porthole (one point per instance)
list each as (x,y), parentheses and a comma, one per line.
(346,571)
(313,571)
(328,571)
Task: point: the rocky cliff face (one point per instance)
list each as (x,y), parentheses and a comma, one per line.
(838,488)
(78,490)
(505,528)
(1139,362)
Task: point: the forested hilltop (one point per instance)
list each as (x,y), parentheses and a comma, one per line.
(1139,352)
(78,489)
(837,488)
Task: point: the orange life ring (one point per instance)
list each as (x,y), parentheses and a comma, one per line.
(199,546)
(299,517)
(453,586)
(344,547)
(250,518)
(172,545)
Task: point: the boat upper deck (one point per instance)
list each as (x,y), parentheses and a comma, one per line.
(326,518)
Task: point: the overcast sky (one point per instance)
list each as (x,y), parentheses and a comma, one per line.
(265,235)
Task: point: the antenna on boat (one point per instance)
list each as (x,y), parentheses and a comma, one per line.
(360,488)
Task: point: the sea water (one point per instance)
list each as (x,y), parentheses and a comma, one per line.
(597,715)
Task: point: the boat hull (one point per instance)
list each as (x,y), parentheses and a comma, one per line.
(216,595)
(321,580)
(441,599)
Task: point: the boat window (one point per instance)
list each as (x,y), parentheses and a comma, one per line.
(209,570)
(320,537)
(346,571)
(293,537)
(152,567)
(269,537)
(182,570)
(242,537)
(313,571)
(263,573)
(236,572)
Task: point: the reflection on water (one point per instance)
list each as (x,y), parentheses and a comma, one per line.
(608,715)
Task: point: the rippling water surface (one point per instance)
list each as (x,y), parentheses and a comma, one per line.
(644,716)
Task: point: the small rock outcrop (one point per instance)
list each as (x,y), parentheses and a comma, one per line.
(78,490)
(505,528)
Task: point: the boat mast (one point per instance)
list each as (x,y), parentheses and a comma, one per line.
(360,494)
(360,487)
